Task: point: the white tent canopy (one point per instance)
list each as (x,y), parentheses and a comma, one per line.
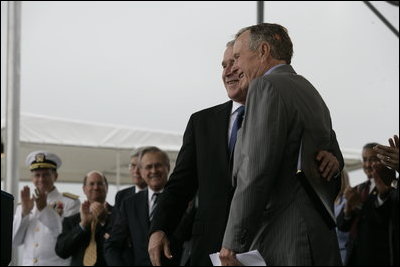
(85,146)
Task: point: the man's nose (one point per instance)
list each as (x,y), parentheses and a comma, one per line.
(235,67)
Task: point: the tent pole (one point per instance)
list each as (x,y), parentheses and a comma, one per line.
(13,103)
(13,97)
(118,170)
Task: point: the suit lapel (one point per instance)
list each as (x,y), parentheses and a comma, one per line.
(222,117)
(142,209)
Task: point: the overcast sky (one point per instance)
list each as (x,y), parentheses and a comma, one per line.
(152,64)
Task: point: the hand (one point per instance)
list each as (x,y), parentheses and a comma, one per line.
(328,164)
(98,211)
(26,200)
(380,185)
(86,216)
(228,258)
(389,155)
(158,243)
(40,198)
(353,198)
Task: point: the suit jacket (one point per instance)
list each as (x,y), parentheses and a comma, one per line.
(202,166)
(73,240)
(287,217)
(370,245)
(119,197)
(132,222)
(122,194)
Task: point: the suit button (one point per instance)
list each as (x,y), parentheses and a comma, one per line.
(37,229)
(35,260)
(36,245)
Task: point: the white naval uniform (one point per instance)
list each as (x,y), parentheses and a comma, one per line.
(38,231)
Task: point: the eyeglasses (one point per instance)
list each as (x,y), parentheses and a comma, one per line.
(154,165)
(131,166)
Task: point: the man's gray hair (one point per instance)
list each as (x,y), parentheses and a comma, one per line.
(136,152)
(275,35)
(230,43)
(154,149)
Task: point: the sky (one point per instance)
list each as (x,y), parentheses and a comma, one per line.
(151,65)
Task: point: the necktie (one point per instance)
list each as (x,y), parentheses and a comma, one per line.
(235,128)
(90,257)
(154,198)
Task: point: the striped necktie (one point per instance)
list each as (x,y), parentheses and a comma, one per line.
(154,199)
(235,128)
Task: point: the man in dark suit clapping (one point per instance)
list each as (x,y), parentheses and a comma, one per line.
(83,234)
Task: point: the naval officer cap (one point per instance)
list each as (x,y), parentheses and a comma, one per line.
(42,160)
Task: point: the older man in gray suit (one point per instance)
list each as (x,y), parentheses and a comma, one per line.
(281,206)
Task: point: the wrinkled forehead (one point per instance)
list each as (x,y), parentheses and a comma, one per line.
(241,42)
(151,158)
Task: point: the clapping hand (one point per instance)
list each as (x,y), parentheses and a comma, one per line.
(86,216)
(40,198)
(27,201)
(389,155)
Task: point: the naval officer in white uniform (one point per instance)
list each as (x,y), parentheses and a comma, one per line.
(38,219)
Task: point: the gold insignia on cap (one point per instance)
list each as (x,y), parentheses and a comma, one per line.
(40,157)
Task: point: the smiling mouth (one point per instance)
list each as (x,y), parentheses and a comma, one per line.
(232,82)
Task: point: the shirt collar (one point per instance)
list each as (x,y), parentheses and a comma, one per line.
(151,193)
(53,194)
(272,69)
(235,106)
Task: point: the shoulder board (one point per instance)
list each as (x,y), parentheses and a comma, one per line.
(69,195)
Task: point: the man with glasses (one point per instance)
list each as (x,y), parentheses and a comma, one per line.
(138,182)
(136,211)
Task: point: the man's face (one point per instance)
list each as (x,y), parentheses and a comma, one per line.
(369,160)
(247,63)
(154,170)
(95,188)
(135,173)
(43,179)
(231,78)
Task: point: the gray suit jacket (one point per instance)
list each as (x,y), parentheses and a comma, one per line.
(286,216)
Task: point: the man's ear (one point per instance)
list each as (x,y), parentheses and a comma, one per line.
(264,50)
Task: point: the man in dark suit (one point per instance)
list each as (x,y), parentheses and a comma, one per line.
(281,205)
(7,210)
(137,210)
(203,166)
(83,234)
(389,156)
(138,182)
(366,216)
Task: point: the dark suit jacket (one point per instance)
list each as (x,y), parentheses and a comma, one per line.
(202,165)
(282,214)
(119,197)
(72,242)
(7,210)
(122,194)
(370,245)
(132,222)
